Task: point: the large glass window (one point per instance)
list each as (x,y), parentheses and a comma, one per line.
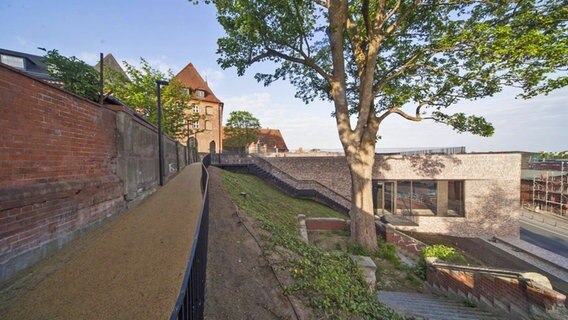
(404,197)
(455,198)
(422,197)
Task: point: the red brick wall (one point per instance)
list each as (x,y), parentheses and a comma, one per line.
(57,167)
(525,297)
(327,224)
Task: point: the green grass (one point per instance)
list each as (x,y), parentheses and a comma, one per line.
(330,282)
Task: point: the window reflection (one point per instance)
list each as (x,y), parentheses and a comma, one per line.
(423,197)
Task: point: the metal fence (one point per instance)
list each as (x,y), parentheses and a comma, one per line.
(191,300)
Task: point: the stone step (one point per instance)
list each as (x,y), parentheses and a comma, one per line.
(428,306)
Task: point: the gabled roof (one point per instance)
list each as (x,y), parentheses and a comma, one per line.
(193,80)
(33,64)
(272,138)
(110,61)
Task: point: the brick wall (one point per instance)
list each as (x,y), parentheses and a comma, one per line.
(523,299)
(402,241)
(64,166)
(57,168)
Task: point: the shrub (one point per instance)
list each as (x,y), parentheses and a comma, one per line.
(440,251)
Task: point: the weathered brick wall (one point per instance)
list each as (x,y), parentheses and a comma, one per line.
(57,168)
(522,299)
(491,186)
(402,241)
(66,164)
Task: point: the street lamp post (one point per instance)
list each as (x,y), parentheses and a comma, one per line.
(160,134)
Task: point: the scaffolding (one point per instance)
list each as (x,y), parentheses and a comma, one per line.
(550,192)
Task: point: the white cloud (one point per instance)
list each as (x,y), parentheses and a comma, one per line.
(214,77)
(89,57)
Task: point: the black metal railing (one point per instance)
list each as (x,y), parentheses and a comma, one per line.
(191,300)
(494,272)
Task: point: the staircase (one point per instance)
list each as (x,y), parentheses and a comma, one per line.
(428,306)
(305,189)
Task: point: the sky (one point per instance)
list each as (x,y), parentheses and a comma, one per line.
(171,33)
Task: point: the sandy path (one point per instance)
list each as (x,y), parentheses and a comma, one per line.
(131,269)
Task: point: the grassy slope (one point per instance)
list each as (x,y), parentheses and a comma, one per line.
(330,282)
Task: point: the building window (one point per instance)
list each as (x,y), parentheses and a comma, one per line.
(195,109)
(200,93)
(12,61)
(441,198)
(208,125)
(209,110)
(195,124)
(186,91)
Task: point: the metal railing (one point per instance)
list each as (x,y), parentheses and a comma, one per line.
(489,271)
(191,300)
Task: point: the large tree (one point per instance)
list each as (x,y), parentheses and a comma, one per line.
(241,130)
(138,90)
(413,59)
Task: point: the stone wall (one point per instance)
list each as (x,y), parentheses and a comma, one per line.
(66,164)
(491,183)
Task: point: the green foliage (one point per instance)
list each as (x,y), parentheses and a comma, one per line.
(76,76)
(241,130)
(358,250)
(440,251)
(387,251)
(443,253)
(331,282)
(553,155)
(138,90)
(389,56)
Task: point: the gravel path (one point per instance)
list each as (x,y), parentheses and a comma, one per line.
(130,268)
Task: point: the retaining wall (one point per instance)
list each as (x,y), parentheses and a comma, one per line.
(66,164)
(523,299)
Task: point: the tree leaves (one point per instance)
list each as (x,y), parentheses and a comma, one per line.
(431,54)
(241,130)
(138,90)
(76,76)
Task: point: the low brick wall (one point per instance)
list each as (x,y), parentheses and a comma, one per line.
(521,299)
(327,224)
(403,242)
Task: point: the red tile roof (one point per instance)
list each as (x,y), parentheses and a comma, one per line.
(193,80)
(272,139)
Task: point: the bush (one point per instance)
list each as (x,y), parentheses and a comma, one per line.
(440,251)
(387,251)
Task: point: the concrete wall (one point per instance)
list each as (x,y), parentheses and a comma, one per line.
(66,164)
(491,186)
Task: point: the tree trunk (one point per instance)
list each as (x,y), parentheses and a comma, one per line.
(363,229)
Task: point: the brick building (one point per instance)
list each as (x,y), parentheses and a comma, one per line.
(268,141)
(207,136)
